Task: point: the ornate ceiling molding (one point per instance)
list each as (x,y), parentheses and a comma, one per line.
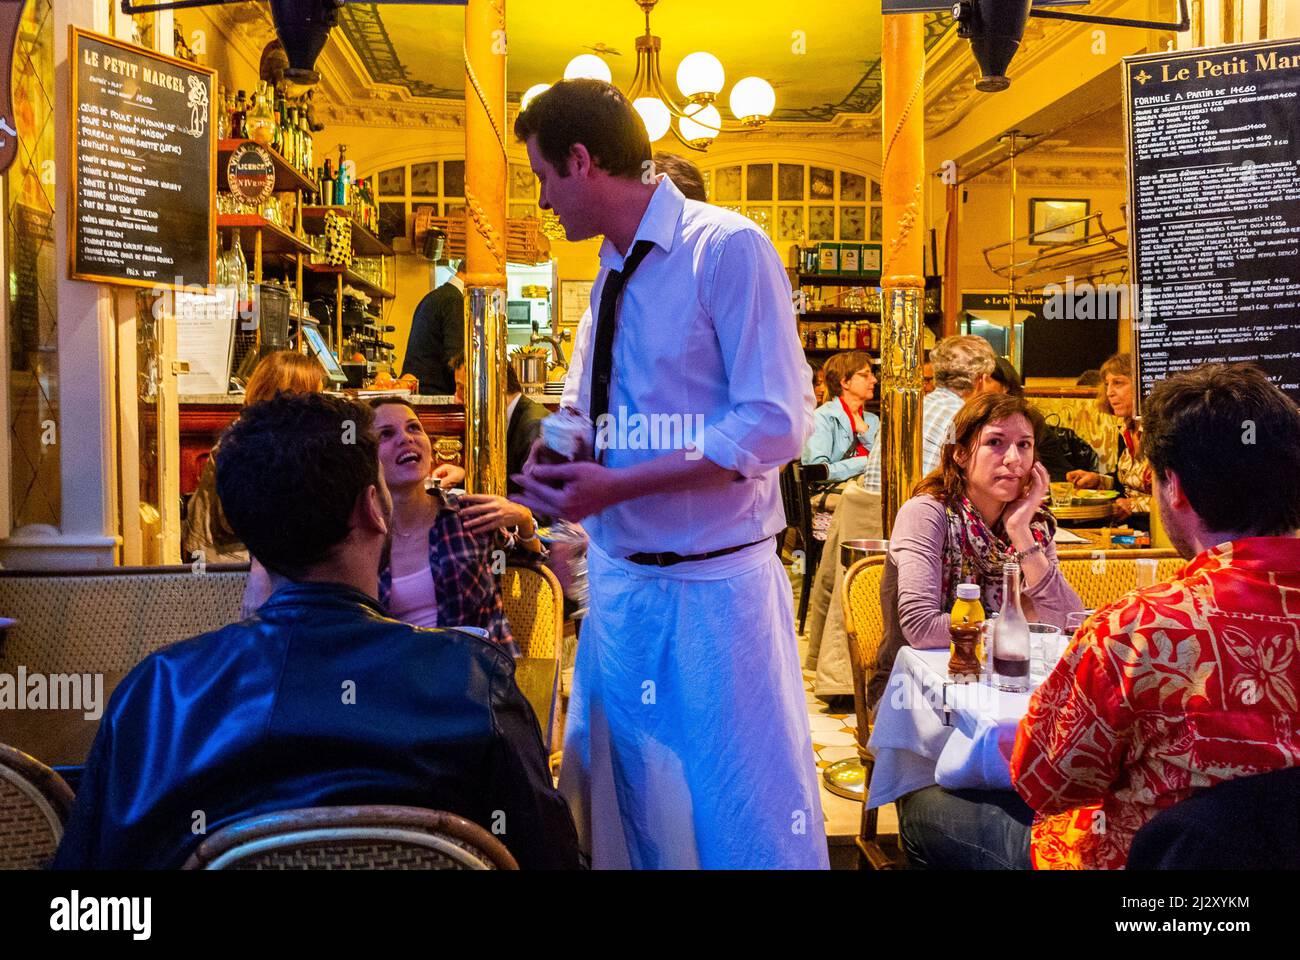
(1070,167)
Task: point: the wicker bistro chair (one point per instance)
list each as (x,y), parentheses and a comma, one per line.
(1101,577)
(34,805)
(865,626)
(534,605)
(352,838)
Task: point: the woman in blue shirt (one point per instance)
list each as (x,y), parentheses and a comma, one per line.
(843,433)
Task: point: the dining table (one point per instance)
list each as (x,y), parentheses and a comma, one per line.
(931,730)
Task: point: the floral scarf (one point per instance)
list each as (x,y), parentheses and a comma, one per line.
(974,553)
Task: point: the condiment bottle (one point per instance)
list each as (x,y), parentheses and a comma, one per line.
(968,610)
(1011,636)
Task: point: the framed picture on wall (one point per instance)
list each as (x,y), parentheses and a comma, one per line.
(1058,221)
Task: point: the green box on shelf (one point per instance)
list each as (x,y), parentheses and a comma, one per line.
(851,259)
(828,257)
(871,258)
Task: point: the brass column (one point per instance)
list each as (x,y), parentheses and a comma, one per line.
(902,302)
(485,245)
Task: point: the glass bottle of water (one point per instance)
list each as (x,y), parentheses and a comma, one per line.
(1011,636)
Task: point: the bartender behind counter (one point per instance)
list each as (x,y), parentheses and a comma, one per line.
(437,335)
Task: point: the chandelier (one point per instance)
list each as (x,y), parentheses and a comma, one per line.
(700,78)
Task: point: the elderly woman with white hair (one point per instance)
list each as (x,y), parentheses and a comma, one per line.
(963,367)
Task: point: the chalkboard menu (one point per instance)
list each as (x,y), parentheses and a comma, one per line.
(1214,209)
(143,165)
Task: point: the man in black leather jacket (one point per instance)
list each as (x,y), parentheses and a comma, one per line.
(318,699)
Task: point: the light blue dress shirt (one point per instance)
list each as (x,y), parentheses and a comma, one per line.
(833,439)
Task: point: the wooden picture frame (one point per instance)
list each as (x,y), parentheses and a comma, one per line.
(1054,220)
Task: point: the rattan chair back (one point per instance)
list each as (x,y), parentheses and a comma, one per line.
(352,838)
(865,625)
(34,805)
(534,606)
(1100,577)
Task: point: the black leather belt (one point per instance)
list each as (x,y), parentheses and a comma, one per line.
(670,559)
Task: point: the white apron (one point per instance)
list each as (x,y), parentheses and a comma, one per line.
(687,741)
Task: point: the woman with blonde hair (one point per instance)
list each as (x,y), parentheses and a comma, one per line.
(1132,476)
(207,536)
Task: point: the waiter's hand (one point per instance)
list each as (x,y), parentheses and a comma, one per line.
(586,488)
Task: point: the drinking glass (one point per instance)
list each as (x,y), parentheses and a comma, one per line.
(1062,493)
(1146,572)
(1044,650)
(1073,621)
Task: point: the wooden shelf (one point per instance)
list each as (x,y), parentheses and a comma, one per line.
(840,279)
(830,350)
(364,243)
(275,238)
(351,279)
(826,316)
(287,177)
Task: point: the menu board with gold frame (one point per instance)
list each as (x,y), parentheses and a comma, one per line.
(144,166)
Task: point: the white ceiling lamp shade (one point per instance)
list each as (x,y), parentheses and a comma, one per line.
(532,92)
(700,77)
(588,66)
(655,115)
(701,124)
(753,100)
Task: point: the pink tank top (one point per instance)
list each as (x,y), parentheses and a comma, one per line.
(411,599)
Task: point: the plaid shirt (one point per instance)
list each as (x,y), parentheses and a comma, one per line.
(464,588)
(937,412)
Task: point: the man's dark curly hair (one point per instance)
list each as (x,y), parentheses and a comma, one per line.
(289,472)
(1233,439)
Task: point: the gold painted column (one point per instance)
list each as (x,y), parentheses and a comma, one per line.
(485,246)
(902,303)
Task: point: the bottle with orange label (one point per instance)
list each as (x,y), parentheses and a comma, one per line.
(968,610)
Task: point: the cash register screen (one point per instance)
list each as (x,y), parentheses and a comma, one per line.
(322,353)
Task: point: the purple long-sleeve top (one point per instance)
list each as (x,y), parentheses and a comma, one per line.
(916,547)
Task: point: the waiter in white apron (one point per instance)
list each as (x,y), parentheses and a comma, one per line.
(687,742)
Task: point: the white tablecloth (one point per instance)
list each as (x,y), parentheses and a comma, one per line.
(929,731)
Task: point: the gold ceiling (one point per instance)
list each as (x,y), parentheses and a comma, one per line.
(822,58)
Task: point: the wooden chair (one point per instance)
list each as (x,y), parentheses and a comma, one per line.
(799,484)
(865,626)
(1101,577)
(352,838)
(534,606)
(34,805)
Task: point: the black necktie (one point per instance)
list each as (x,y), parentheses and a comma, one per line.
(602,356)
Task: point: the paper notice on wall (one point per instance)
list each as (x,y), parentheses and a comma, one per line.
(205,339)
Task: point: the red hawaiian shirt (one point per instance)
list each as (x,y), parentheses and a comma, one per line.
(1170,689)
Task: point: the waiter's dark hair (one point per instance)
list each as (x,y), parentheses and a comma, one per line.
(594,114)
(1233,439)
(289,472)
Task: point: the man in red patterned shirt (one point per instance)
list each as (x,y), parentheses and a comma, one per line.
(1178,686)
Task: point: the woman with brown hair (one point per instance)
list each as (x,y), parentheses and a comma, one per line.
(1132,476)
(207,536)
(980,508)
(843,432)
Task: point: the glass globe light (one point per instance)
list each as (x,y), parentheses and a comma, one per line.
(539,88)
(700,73)
(753,98)
(702,122)
(588,65)
(654,115)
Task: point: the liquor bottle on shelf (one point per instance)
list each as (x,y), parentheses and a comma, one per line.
(223,116)
(833,339)
(327,182)
(306,159)
(238,275)
(1011,636)
(260,123)
(342,185)
(238,129)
